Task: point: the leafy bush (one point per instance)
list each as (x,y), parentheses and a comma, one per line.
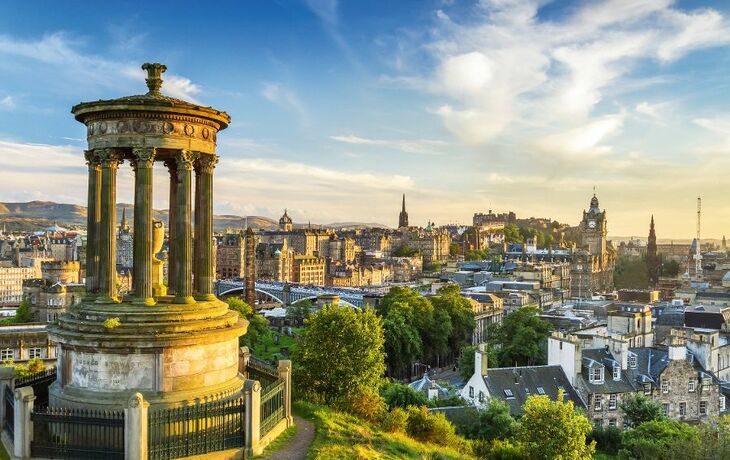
(433,427)
(660,439)
(400,395)
(640,409)
(395,421)
(607,439)
(36,365)
(506,450)
(494,422)
(366,404)
(448,401)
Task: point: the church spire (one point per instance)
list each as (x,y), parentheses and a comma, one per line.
(403,217)
(653,263)
(123,224)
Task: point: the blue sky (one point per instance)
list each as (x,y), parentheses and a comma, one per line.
(339,107)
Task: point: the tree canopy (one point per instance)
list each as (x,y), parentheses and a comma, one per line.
(340,354)
(258,326)
(639,409)
(554,430)
(520,338)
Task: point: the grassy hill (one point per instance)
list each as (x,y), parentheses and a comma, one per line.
(342,436)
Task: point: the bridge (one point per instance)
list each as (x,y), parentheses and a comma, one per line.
(276,291)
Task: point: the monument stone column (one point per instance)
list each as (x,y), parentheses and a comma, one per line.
(171,165)
(110,160)
(93,216)
(184,232)
(204,275)
(142,162)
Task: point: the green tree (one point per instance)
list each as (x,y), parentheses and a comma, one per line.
(258,331)
(466,362)
(520,339)
(339,354)
(630,273)
(476,255)
(461,315)
(300,310)
(402,340)
(715,439)
(494,422)
(397,394)
(554,430)
(639,409)
(512,234)
(670,268)
(454,249)
(661,440)
(23,314)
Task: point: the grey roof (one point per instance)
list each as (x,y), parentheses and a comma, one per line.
(522,382)
(671,318)
(601,356)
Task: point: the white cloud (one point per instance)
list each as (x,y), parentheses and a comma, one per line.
(506,69)
(650,110)
(7,102)
(57,59)
(586,140)
(426,146)
(326,10)
(278,94)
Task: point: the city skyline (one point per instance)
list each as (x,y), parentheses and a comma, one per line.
(338,110)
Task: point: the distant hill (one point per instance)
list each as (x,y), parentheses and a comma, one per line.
(354,225)
(35,215)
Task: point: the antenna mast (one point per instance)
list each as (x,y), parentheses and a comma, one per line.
(698,251)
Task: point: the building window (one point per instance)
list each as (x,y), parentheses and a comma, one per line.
(722,403)
(665,386)
(691,385)
(508,393)
(705,385)
(471,391)
(481,396)
(616,372)
(703,407)
(612,422)
(665,409)
(7,354)
(597,375)
(34,353)
(682,409)
(612,402)
(632,361)
(598,403)
(540,390)
(647,389)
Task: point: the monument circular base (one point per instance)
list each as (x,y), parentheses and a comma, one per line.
(171,353)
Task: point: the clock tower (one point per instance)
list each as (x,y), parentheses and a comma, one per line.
(593,229)
(592,265)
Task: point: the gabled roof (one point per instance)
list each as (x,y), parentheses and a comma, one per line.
(514,385)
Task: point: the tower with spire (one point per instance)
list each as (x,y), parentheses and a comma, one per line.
(652,257)
(125,244)
(403,216)
(285,223)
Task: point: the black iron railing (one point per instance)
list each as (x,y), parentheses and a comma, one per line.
(77,433)
(202,428)
(9,410)
(260,370)
(40,382)
(272,406)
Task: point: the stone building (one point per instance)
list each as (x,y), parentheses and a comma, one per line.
(61,272)
(49,300)
(593,264)
(488,309)
(285,223)
(308,270)
(22,342)
(274,261)
(11,284)
(125,245)
(230,255)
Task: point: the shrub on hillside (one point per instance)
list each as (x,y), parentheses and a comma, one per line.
(366,404)
(505,450)
(395,421)
(433,427)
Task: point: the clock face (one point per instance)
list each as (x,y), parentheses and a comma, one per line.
(579,267)
(591,224)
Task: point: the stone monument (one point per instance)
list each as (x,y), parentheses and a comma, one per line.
(172,348)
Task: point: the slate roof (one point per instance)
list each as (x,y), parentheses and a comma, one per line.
(601,356)
(522,382)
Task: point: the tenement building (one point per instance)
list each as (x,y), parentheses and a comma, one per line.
(594,262)
(230,255)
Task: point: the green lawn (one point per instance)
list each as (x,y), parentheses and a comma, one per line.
(267,348)
(278,443)
(342,436)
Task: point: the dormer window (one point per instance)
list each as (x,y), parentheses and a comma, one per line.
(632,361)
(616,372)
(596,375)
(540,390)
(508,393)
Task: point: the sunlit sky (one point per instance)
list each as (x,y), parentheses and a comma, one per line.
(340,107)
